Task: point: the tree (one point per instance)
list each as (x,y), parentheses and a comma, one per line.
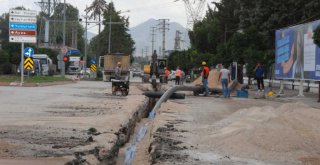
(72,26)
(97,8)
(316,36)
(121,40)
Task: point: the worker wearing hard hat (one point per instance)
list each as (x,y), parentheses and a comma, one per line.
(117,71)
(178,75)
(166,73)
(205,75)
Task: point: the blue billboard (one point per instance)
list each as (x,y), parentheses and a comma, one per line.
(296,56)
(23,26)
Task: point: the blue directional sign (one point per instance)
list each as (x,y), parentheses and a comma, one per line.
(93,61)
(23,26)
(28,52)
(73,52)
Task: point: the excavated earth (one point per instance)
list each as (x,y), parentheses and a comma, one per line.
(236,131)
(78,123)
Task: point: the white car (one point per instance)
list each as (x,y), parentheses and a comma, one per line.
(172,76)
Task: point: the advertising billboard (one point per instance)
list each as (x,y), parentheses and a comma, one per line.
(296,56)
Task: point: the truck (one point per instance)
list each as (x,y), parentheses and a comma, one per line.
(47,66)
(74,65)
(110,63)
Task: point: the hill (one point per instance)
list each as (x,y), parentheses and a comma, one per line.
(141,34)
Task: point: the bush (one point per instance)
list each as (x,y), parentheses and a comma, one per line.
(99,74)
(6,68)
(51,72)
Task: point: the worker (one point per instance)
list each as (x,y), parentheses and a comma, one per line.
(225,78)
(166,73)
(117,71)
(259,73)
(178,75)
(205,74)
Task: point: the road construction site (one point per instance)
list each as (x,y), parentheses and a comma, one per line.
(83,123)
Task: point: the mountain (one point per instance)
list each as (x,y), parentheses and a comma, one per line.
(142,35)
(90,35)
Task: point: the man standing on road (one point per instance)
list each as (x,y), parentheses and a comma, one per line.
(178,75)
(205,74)
(117,71)
(166,73)
(224,77)
(259,72)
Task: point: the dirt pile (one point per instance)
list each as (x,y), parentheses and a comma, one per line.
(212,79)
(288,132)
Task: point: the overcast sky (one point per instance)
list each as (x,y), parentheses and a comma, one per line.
(140,10)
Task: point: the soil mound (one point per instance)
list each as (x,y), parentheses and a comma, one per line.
(289,132)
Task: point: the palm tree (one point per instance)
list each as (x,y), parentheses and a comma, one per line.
(97,8)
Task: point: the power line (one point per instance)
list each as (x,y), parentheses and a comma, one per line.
(163,27)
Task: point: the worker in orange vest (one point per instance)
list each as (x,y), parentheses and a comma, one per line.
(178,75)
(205,75)
(166,73)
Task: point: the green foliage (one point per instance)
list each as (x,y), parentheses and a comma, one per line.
(316,36)
(121,40)
(4,57)
(188,59)
(33,79)
(243,30)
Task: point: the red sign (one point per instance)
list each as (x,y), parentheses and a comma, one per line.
(22,33)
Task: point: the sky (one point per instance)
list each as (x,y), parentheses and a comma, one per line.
(139,10)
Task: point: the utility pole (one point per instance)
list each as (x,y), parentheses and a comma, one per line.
(146,51)
(64,40)
(160,50)
(163,27)
(142,52)
(85,46)
(177,41)
(153,33)
(109,44)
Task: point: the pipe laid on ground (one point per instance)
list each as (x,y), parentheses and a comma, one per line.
(170,91)
(153,94)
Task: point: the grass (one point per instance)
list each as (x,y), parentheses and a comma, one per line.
(32,79)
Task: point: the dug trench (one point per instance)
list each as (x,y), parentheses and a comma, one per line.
(124,134)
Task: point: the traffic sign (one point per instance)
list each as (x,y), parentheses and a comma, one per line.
(93,61)
(23,39)
(28,52)
(64,50)
(23,26)
(28,63)
(93,67)
(22,33)
(23,19)
(73,52)
(28,13)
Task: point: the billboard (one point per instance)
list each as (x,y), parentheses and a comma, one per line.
(296,56)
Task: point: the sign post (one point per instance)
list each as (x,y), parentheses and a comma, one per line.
(93,68)
(23,29)
(21,67)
